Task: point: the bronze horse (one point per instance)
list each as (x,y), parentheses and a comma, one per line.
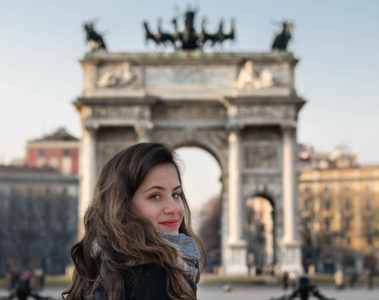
(188,38)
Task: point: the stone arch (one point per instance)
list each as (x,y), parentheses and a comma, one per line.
(185,98)
(208,140)
(262,190)
(209,148)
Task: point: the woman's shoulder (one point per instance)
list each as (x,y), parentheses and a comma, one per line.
(152,272)
(144,282)
(150,282)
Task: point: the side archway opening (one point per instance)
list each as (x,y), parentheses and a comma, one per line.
(260,235)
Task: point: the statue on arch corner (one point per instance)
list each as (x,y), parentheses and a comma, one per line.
(94,39)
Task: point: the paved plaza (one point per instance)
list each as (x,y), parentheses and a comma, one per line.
(252,293)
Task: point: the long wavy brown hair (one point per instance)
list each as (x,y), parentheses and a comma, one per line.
(123,236)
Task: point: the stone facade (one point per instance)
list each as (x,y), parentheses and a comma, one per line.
(240,107)
(38,218)
(340,218)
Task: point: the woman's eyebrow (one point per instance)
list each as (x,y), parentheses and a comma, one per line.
(155,187)
(161,188)
(176,188)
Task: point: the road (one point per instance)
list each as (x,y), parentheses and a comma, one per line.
(252,293)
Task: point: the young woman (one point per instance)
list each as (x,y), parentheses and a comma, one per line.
(138,241)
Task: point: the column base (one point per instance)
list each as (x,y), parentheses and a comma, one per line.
(235,258)
(290,257)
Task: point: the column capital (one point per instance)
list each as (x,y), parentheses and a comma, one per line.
(142,129)
(233,126)
(92,127)
(234,122)
(288,126)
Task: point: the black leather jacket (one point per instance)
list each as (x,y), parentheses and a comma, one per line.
(143,282)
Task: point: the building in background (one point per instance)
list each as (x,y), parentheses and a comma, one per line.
(341,157)
(39,204)
(339,207)
(59,150)
(38,218)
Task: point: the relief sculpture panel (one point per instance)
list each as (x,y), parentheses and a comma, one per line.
(129,112)
(190,75)
(284,111)
(192,112)
(261,156)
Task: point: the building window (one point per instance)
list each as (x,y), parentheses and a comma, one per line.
(327,224)
(348,203)
(307,204)
(328,204)
(368,223)
(41,153)
(348,223)
(326,188)
(368,203)
(66,153)
(13,190)
(348,241)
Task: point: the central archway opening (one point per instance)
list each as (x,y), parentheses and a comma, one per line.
(202,182)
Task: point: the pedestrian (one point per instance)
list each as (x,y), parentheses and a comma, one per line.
(138,241)
(23,289)
(339,280)
(304,291)
(369,275)
(285,280)
(293,277)
(353,279)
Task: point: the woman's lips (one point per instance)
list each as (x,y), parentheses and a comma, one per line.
(170,223)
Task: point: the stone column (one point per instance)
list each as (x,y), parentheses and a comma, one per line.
(236,247)
(290,244)
(87,172)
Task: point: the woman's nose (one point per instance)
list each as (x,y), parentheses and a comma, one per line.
(172,206)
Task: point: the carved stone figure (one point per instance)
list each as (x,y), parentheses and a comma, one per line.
(94,39)
(247,78)
(122,76)
(281,40)
(188,38)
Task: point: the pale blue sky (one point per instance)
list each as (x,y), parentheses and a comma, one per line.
(336,41)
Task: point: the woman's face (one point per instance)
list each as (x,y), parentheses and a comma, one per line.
(158,199)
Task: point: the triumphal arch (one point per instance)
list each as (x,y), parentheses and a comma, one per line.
(240,107)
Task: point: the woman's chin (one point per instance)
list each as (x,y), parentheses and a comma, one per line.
(173,231)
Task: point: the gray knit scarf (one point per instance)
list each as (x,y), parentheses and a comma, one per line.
(189,254)
(188,251)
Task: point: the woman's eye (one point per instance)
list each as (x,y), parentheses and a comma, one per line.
(155,196)
(176,196)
